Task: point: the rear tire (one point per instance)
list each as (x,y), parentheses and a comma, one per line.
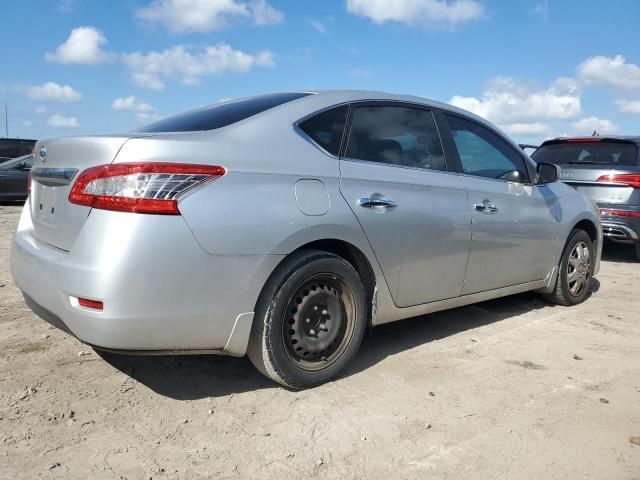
(638,251)
(310,320)
(575,270)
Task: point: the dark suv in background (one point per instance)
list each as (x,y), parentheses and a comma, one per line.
(15,147)
(607,170)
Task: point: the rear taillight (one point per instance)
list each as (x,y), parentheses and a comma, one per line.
(631,179)
(605,212)
(140,187)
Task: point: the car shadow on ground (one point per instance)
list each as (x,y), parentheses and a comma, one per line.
(619,252)
(193,377)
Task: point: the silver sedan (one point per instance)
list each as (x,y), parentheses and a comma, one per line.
(283,225)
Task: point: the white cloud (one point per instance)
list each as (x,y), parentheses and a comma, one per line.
(586,126)
(542,9)
(418,12)
(143,110)
(41,109)
(27,123)
(152,69)
(317,25)
(207,15)
(60,121)
(360,73)
(508,102)
(526,129)
(53,92)
(84,46)
(613,72)
(628,106)
(264,14)
(67,6)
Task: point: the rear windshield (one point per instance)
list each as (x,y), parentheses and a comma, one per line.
(588,153)
(220,115)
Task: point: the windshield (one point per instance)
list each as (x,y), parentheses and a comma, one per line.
(11,164)
(588,153)
(221,114)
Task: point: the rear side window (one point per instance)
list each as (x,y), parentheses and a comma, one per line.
(483,154)
(395,135)
(588,153)
(326,128)
(220,115)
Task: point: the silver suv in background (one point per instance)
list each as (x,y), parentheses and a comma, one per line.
(607,170)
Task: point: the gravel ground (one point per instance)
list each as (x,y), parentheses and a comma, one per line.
(511,388)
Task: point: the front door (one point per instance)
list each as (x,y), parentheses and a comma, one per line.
(514,224)
(414,212)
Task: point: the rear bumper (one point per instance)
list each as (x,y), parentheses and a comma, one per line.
(620,228)
(161,291)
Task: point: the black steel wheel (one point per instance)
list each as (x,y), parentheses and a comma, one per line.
(320,323)
(309,320)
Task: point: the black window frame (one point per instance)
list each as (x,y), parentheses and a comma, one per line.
(452,150)
(393,103)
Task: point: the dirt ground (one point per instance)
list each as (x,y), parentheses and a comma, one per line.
(511,388)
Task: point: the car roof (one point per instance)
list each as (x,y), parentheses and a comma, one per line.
(343,96)
(26,140)
(627,138)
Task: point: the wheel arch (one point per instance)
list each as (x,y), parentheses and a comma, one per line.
(589,227)
(354,256)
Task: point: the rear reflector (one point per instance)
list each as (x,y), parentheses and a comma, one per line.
(618,213)
(140,187)
(95,304)
(631,179)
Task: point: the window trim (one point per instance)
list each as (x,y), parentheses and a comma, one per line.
(392,103)
(453,149)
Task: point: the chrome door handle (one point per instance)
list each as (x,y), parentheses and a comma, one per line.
(486,207)
(377,202)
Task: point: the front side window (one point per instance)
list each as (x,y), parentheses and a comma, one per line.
(484,154)
(395,135)
(20,163)
(326,128)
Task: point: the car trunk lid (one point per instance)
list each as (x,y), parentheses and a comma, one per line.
(57,164)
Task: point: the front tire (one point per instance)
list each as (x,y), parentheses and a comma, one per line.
(575,270)
(310,320)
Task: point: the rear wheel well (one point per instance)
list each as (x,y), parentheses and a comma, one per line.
(356,258)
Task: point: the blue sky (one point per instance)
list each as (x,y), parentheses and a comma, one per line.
(536,68)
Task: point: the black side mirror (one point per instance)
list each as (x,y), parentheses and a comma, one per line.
(547,172)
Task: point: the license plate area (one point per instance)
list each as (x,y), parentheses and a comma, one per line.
(45,203)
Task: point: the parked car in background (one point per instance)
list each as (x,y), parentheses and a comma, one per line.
(15,147)
(283,225)
(14,178)
(606,169)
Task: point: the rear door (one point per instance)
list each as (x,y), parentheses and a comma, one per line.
(414,212)
(514,224)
